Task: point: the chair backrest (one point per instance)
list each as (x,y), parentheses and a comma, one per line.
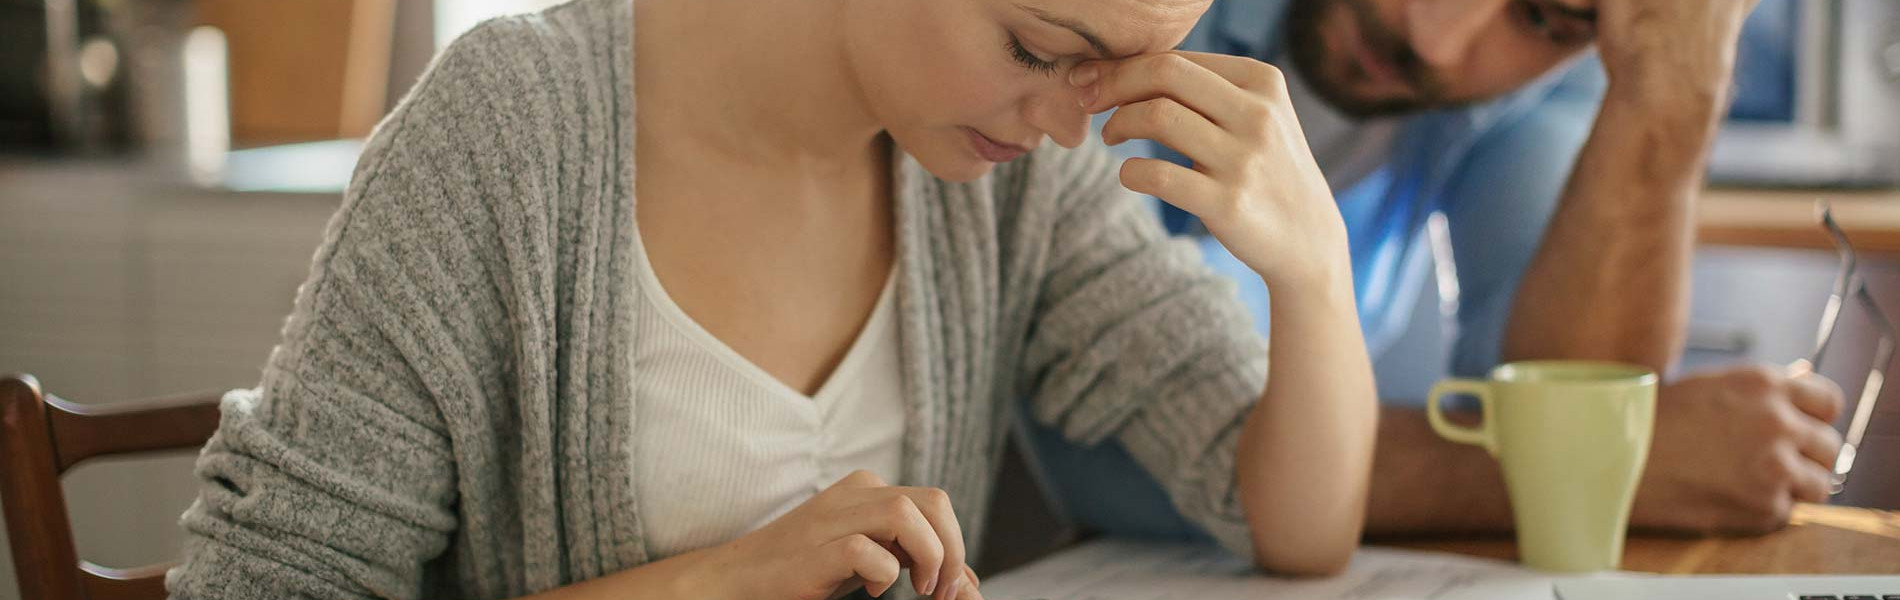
(42,436)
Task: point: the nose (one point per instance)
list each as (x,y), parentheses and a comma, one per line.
(1056,110)
(1443,31)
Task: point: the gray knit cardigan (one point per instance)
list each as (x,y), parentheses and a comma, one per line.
(450,411)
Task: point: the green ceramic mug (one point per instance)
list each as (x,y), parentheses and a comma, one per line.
(1572,437)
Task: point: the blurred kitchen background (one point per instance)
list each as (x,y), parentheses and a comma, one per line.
(166,169)
(167,166)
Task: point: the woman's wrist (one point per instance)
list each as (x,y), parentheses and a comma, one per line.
(1314,300)
(706,573)
(1296,253)
(692,575)
(1321,271)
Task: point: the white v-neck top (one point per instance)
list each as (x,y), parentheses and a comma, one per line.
(724,447)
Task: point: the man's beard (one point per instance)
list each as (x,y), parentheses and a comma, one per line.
(1309,51)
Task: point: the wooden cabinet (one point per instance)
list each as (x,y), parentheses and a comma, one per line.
(304,70)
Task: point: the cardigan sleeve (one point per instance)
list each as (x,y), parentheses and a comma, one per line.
(336,477)
(1134,337)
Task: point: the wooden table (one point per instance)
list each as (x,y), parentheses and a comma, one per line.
(1819,540)
(1787,219)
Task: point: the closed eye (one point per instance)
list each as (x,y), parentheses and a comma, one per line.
(1560,26)
(1026,59)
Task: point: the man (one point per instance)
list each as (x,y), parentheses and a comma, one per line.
(1568,189)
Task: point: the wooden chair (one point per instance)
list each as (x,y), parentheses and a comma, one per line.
(41,436)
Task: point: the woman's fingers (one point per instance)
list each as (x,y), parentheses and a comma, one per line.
(903,558)
(970,590)
(1227,114)
(888,516)
(1169,75)
(1176,126)
(1185,188)
(918,525)
(859,479)
(861,557)
(935,505)
(1245,73)
(1256,185)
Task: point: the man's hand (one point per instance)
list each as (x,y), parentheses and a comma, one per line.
(1666,49)
(1735,449)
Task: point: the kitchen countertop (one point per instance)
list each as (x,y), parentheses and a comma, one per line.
(1789,219)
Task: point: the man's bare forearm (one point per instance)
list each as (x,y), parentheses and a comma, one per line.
(1610,280)
(1424,484)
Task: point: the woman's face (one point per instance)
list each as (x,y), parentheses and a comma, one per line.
(964,84)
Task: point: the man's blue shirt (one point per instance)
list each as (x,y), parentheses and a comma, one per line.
(1495,171)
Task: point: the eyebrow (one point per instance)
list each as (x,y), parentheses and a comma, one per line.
(1088,35)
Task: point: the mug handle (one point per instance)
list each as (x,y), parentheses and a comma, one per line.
(1484,435)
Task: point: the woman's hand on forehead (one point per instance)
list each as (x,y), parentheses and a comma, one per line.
(1254,181)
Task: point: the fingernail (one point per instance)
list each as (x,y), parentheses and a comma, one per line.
(929,586)
(1082,75)
(1087,96)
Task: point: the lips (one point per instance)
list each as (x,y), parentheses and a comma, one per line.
(1376,67)
(992,150)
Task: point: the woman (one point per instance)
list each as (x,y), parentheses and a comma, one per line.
(506,377)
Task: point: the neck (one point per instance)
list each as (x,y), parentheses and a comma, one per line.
(768,81)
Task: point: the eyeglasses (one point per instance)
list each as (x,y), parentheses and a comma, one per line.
(1848,286)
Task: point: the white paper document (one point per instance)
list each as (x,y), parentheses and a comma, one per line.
(1125,570)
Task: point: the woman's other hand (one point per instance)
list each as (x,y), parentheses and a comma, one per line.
(860,532)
